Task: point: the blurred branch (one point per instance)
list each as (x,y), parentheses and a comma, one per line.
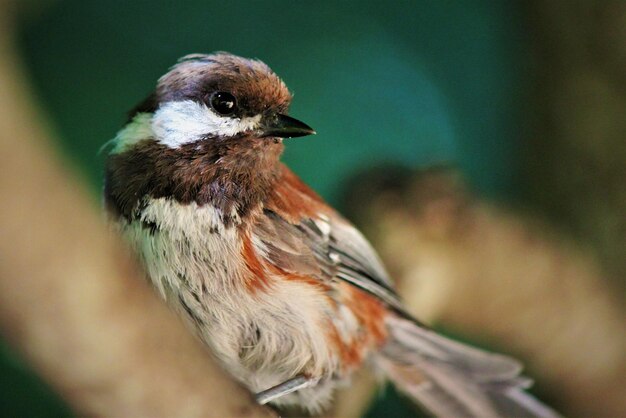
(71,300)
(502,277)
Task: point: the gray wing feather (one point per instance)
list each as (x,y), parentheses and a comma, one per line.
(328,249)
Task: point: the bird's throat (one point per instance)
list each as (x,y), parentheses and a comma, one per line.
(234,177)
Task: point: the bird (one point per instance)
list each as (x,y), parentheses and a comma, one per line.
(287,294)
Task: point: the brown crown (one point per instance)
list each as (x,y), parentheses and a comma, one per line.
(252,82)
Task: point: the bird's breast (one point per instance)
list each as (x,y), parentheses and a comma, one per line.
(202,268)
(263,326)
(185,246)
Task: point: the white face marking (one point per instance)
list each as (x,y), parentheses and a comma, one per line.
(183,122)
(178,123)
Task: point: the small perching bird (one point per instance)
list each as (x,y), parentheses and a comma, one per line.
(289,296)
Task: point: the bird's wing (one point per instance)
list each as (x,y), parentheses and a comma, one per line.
(300,234)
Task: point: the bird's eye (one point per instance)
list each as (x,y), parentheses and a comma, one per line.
(223,103)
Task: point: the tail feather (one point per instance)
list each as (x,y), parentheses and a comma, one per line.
(522,404)
(454,380)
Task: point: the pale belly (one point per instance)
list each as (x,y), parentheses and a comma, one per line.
(263,338)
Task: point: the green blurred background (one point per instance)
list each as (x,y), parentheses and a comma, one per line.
(414,83)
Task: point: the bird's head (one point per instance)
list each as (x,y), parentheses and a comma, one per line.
(218,98)
(210,132)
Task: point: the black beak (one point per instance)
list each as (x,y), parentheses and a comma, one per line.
(284,126)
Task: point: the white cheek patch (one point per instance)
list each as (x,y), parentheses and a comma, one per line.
(183,122)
